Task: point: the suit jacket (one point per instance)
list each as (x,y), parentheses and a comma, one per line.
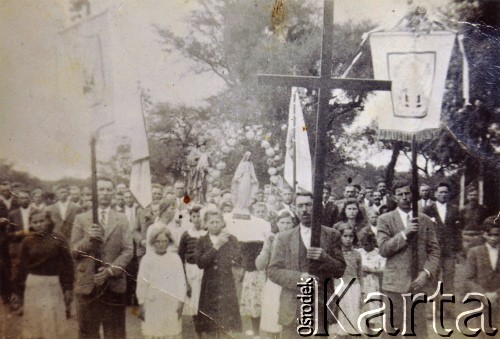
(421,204)
(397,275)
(284,268)
(64,225)
(473,217)
(330,214)
(449,231)
(116,251)
(479,275)
(15,238)
(4,230)
(144,219)
(16,221)
(389,201)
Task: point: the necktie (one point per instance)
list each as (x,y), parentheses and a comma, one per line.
(102,220)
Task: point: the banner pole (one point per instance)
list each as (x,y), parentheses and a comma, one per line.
(414,177)
(93,164)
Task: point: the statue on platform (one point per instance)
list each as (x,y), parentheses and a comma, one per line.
(198,162)
(245,184)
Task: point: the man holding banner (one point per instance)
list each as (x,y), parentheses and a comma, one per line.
(101,252)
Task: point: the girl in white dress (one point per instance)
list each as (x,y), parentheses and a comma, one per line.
(271,291)
(161,287)
(373,265)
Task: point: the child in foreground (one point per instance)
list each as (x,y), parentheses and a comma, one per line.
(161,287)
(218,251)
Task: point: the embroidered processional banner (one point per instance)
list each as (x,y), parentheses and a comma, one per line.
(417,65)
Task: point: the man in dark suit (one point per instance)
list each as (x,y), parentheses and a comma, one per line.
(330,210)
(412,253)
(101,252)
(473,213)
(7,204)
(425,192)
(482,268)
(63,211)
(448,232)
(130,211)
(387,199)
(19,221)
(290,261)
(19,225)
(145,218)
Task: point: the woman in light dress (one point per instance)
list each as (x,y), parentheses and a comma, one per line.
(271,292)
(161,287)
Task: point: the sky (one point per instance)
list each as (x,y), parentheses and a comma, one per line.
(43,128)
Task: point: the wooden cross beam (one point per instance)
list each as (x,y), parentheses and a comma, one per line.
(325,83)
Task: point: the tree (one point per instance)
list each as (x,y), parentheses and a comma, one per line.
(236,48)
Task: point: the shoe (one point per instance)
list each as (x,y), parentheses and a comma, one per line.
(249,333)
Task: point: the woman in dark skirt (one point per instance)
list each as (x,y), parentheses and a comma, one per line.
(218,251)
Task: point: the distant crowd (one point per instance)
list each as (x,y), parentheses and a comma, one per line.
(178,258)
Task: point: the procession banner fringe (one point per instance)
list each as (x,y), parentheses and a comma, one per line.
(395,135)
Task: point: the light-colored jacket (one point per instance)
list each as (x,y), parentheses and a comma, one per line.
(284,268)
(115,252)
(393,246)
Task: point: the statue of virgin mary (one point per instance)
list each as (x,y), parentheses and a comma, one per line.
(245,184)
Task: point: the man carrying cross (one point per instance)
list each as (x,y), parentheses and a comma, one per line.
(325,83)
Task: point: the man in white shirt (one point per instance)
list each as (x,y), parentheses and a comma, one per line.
(102,252)
(7,204)
(6,196)
(287,200)
(448,230)
(64,211)
(37,199)
(130,209)
(291,256)
(75,194)
(412,253)
(367,199)
(20,217)
(180,192)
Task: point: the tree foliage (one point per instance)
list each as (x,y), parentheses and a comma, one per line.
(237,40)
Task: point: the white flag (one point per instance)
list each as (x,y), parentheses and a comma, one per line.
(297,147)
(140,176)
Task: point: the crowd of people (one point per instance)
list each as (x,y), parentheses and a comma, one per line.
(219,263)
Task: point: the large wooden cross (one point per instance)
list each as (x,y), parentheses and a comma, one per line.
(325,83)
